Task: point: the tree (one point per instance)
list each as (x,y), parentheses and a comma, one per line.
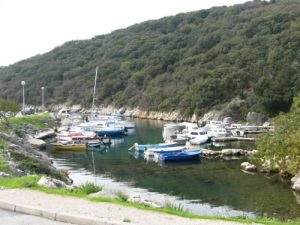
(282,148)
(7,108)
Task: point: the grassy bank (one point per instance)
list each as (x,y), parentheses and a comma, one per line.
(84,191)
(40,120)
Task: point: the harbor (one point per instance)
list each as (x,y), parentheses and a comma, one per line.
(208,186)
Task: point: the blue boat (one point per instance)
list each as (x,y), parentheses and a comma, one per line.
(180,156)
(138,147)
(112,133)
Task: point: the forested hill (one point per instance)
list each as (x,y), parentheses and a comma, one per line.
(192,62)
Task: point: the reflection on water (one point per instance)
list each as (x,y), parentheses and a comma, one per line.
(207,186)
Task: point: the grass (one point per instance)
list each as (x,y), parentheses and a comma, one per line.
(34,166)
(121,196)
(4,168)
(89,188)
(84,190)
(19,182)
(41,120)
(172,206)
(126,220)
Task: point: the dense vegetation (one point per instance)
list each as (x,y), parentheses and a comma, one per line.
(281,150)
(192,62)
(7,108)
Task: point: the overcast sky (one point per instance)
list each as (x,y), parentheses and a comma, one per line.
(31,27)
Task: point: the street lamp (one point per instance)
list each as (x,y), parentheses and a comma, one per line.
(23,85)
(43,100)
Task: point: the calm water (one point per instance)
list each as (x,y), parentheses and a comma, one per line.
(207,186)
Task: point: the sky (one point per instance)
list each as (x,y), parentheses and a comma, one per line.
(32,27)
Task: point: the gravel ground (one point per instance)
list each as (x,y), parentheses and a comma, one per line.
(112,212)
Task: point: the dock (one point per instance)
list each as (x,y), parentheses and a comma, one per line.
(228,139)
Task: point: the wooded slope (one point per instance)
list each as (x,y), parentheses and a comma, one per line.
(192,62)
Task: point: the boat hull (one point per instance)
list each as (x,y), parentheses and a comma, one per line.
(112,133)
(155,146)
(181,156)
(72,147)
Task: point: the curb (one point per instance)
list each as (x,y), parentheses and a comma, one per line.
(61,217)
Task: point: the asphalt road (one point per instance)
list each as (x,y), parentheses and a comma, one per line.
(13,218)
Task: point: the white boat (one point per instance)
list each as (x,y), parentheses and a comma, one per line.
(198,137)
(142,148)
(101,128)
(64,113)
(178,132)
(151,151)
(217,132)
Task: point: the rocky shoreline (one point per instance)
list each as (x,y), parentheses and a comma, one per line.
(23,156)
(176,116)
(25,144)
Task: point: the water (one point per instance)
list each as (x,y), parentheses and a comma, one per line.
(206,187)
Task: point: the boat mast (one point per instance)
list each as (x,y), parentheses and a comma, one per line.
(94,93)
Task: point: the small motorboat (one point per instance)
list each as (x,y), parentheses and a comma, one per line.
(142,148)
(75,145)
(69,147)
(103,141)
(180,156)
(168,150)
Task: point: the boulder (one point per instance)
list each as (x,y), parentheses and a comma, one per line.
(4,175)
(248,167)
(253,152)
(36,142)
(226,152)
(45,133)
(237,152)
(251,168)
(256,118)
(51,182)
(137,199)
(297,196)
(296,183)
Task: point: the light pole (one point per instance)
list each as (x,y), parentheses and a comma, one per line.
(23,85)
(43,100)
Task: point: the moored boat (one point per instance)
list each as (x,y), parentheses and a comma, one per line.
(69,147)
(139,147)
(168,150)
(180,156)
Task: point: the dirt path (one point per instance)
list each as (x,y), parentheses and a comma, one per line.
(107,211)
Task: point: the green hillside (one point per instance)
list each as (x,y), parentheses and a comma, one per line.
(192,62)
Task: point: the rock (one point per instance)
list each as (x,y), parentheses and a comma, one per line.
(25,129)
(256,118)
(296,183)
(237,152)
(226,152)
(104,192)
(137,199)
(244,164)
(51,182)
(36,142)
(4,175)
(297,196)
(251,168)
(45,133)
(248,167)
(15,169)
(207,152)
(253,152)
